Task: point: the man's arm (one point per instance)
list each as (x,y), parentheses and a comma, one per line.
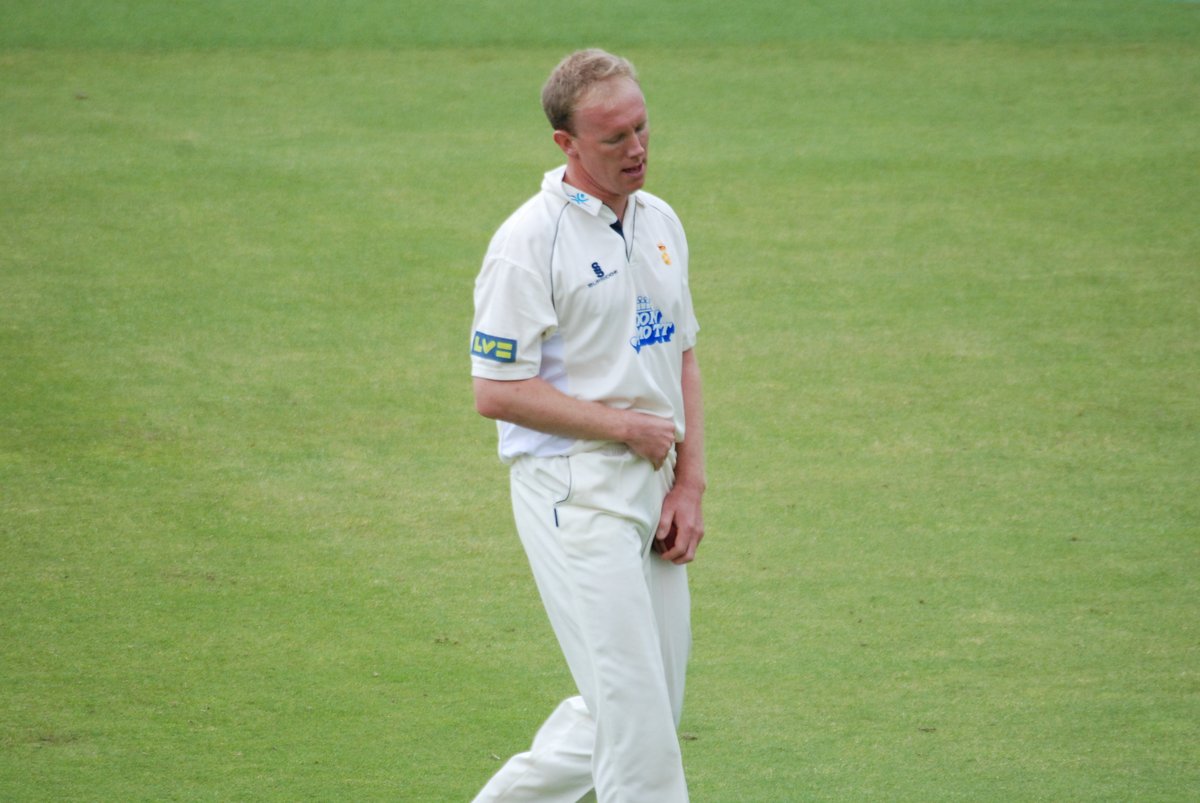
(681,509)
(536,404)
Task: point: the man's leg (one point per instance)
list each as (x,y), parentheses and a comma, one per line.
(558,766)
(672,613)
(637,756)
(556,769)
(603,611)
(586,522)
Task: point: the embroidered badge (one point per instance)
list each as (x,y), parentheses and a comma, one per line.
(662,251)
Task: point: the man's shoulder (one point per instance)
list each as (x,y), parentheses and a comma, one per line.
(658,206)
(540,209)
(543,208)
(530,227)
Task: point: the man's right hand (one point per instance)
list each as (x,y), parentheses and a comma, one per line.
(650,437)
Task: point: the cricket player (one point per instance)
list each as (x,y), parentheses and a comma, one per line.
(583,350)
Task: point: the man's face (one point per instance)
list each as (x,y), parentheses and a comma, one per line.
(606,156)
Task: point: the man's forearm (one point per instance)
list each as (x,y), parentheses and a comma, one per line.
(536,404)
(689,466)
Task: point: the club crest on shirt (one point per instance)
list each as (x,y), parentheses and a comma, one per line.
(649,325)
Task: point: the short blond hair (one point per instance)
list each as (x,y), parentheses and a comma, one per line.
(573,76)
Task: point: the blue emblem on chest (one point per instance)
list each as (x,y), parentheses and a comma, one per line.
(650,327)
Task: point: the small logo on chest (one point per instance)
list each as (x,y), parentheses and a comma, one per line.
(601,275)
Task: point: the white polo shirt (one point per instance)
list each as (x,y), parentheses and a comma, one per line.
(602,315)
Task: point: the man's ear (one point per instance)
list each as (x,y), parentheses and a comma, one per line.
(565,142)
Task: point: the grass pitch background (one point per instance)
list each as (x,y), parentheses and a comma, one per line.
(256,543)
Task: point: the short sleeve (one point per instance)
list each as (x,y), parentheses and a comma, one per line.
(514,313)
(691,327)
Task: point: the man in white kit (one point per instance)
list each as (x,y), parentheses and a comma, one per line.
(583,351)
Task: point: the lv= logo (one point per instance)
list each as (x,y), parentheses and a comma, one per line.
(490,347)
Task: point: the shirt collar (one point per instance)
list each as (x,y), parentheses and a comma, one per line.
(554,184)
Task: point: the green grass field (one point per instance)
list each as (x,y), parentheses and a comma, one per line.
(256,543)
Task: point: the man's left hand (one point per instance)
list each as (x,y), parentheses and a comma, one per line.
(680,527)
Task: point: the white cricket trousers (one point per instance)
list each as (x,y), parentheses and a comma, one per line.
(622,618)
